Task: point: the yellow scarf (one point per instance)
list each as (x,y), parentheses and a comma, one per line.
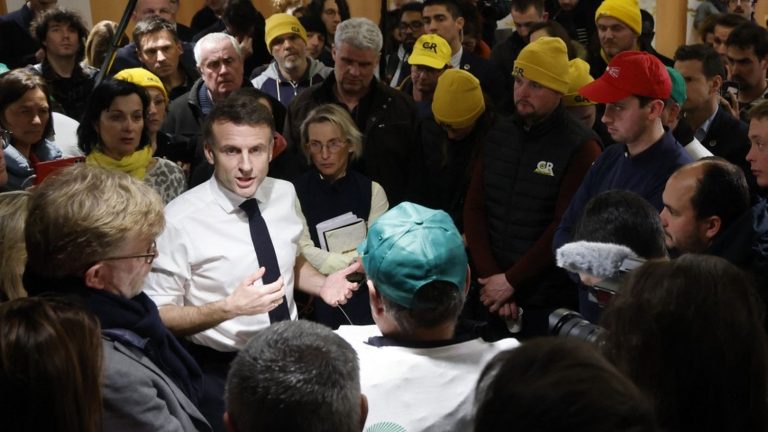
(134,164)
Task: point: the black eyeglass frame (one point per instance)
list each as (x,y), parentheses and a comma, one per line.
(149,257)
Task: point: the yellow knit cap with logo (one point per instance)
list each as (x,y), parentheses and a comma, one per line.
(458,99)
(626,11)
(545,61)
(578,75)
(280,24)
(143,78)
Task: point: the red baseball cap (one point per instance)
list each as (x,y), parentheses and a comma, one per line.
(630,73)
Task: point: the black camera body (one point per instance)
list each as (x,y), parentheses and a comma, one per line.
(605,289)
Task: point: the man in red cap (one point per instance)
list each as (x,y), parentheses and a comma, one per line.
(633,88)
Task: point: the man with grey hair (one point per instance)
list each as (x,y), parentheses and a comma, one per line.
(275,383)
(385,116)
(220,64)
(419,363)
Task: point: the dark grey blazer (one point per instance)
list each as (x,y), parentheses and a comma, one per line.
(138,396)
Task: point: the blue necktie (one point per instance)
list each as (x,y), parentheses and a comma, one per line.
(265,252)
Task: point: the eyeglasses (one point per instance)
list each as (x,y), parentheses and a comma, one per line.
(333,146)
(5,138)
(149,257)
(413,25)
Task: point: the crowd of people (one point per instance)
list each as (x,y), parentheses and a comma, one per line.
(314,222)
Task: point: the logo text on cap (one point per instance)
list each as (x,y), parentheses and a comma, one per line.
(430,46)
(613,71)
(518,71)
(295,29)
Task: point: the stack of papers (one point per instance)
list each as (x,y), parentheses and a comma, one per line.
(342,234)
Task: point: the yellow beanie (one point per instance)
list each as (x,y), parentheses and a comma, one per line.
(458,99)
(143,78)
(545,61)
(280,24)
(578,75)
(626,11)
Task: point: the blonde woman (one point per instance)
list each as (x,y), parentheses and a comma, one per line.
(330,140)
(13,253)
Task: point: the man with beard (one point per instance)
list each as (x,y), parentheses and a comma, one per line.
(396,67)
(292,70)
(530,168)
(745,8)
(747,53)
(707,211)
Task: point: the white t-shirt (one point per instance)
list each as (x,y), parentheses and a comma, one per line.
(206,250)
(420,389)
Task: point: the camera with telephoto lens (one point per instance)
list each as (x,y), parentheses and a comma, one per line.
(569,324)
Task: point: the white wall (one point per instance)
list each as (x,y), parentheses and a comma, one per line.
(81,6)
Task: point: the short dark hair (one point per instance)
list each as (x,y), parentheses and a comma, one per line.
(315,7)
(412,7)
(153,24)
(41,23)
(689,333)
(555,29)
(624,218)
(99,100)
(13,86)
(240,17)
(295,376)
(446,299)
(730,20)
(237,112)
(749,36)
(452,6)
(721,191)
(711,62)
(553,385)
(643,101)
(523,5)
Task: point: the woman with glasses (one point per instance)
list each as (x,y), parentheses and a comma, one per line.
(26,127)
(330,189)
(116,131)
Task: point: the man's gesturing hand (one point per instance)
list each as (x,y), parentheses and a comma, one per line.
(250,298)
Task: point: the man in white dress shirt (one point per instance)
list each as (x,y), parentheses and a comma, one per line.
(207,280)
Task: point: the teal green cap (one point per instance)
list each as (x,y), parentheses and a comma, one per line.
(678,86)
(410,246)
(3,68)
